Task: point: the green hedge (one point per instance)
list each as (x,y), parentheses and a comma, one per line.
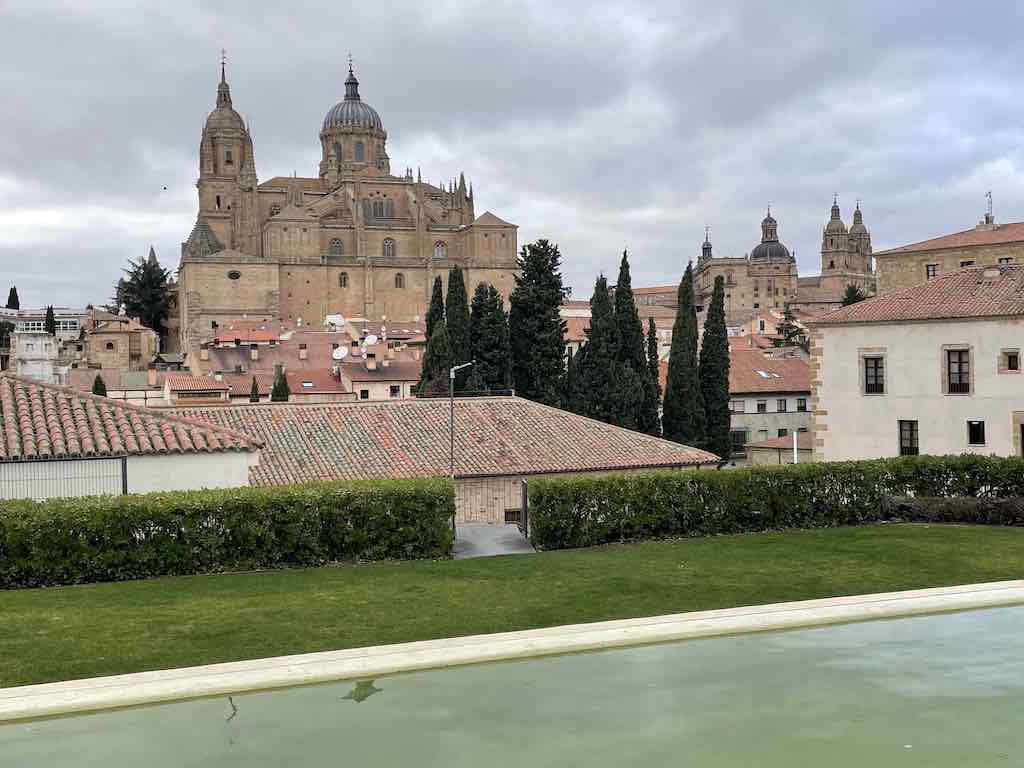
(586,511)
(113,538)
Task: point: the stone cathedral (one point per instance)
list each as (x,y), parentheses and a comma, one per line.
(354,239)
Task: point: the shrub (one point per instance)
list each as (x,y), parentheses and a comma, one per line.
(585,511)
(114,538)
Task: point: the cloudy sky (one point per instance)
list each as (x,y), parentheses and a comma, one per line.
(597,125)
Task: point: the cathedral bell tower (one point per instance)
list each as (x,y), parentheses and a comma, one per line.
(835,254)
(227,175)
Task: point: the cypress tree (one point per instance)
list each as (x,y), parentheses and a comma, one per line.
(456,318)
(714,374)
(144,293)
(853,295)
(568,401)
(280,392)
(489,343)
(12,298)
(50,322)
(99,387)
(436,363)
(254,392)
(683,411)
(631,350)
(606,388)
(435,313)
(536,327)
(652,402)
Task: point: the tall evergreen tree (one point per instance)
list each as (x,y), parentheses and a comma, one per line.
(456,318)
(254,392)
(606,388)
(280,392)
(435,313)
(99,387)
(6,329)
(714,374)
(144,293)
(683,412)
(488,341)
(568,395)
(536,328)
(853,295)
(50,321)
(631,350)
(12,298)
(436,363)
(791,333)
(653,380)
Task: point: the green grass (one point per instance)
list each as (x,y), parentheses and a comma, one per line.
(102,629)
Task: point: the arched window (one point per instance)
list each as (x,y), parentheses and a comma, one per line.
(360,152)
(399,280)
(440,250)
(389,250)
(110,346)
(338,151)
(227,157)
(335,248)
(343,280)
(378,208)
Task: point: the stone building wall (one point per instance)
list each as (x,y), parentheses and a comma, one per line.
(897,271)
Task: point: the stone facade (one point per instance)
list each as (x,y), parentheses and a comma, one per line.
(354,240)
(987,244)
(767,277)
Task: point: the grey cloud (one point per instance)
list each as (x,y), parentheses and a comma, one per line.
(599,126)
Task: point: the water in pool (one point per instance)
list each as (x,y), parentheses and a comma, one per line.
(932,691)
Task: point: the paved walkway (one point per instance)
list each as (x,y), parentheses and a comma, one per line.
(482,540)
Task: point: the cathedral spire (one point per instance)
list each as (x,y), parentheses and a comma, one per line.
(223,91)
(351,84)
(835,207)
(705,249)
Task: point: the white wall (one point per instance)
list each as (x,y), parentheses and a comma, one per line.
(852,425)
(189,471)
(48,479)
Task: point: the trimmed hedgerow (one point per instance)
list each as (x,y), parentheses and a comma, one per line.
(114,538)
(586,511)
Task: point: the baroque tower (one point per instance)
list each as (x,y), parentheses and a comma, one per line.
(227,175)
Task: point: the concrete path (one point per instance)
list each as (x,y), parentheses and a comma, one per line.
(482,540)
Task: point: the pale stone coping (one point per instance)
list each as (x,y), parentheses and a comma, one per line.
(76,696)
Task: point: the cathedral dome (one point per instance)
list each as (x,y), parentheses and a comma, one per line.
(770,248)
(353,112)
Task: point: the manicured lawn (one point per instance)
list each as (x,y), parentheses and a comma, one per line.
(102,629)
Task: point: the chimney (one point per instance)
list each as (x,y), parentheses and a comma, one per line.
(303,352)
(371,362)
(254,353)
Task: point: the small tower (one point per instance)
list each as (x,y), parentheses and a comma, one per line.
(834,241)
(860,244)
(705,249)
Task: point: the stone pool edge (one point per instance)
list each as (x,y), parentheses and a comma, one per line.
(93,694)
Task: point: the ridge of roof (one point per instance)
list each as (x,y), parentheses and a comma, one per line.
(1011,232)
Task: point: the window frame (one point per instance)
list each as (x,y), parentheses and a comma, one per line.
(399,281)
(872,370)
(801,405)
(971,439)
(912,445)
(742,405)
(1009,360)
(343,280)
(965,356)
(762,406)
(782,405)
(931,271)
(388,248)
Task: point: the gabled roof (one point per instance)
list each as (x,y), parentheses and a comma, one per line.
(973,292)
(42,421)
(187,382)
(750,372)
(1004,233)
(395,370)
(284,182)
(488,219)
(494,436)
(202,241)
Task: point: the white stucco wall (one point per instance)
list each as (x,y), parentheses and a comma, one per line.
(190,471)
(848,424)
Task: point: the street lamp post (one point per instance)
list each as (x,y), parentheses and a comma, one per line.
(451,423)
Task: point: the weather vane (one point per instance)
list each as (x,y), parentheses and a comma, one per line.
(350,62)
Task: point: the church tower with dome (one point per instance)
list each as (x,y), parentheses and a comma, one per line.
(354,239)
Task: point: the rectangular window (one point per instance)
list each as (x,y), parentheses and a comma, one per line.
(364,394)
(801,404)
(762,434)
(1009,361)
(762,406)
(958,369)
(783,432)
(1006,260)
(874,375)
(976,432)
(737,406)
(780,405)
(395,390)
(739,440)
(931,271)
(908,438)
(967,263)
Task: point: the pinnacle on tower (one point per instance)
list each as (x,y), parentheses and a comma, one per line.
(223,90)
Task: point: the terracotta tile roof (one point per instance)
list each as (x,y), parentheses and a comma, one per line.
(576,328)
(396,370)
(409,438)
(43,421)
(246,334)
(803,442)
(1004,233)
(321,382)
(750,372)
(967,293)
(185,382)
(240,384)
